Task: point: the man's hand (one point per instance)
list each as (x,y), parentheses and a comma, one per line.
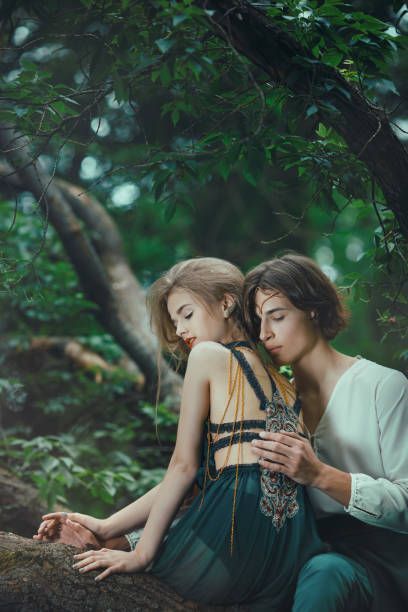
(290,454)
(59,527)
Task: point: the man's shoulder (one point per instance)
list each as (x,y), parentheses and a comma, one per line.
(376,373)
(388,386)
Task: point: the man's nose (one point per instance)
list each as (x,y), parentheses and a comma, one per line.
(264,332)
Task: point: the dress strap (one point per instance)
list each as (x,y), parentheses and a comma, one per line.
(252,379)
(236,344)
(236,438)
(220,428)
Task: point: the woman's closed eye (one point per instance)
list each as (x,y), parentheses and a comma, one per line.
(189,315)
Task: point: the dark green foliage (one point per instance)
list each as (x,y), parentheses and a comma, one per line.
(193,151)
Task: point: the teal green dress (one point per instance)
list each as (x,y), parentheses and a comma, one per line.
(274,528)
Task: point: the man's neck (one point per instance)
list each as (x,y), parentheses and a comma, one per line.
(316,374)
(315,367)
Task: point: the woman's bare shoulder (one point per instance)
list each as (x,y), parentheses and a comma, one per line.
(208,353)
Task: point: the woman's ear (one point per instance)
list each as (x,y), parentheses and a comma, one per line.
(228,305)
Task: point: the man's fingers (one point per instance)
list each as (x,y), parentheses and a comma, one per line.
(75,526)
(272,467)
(57,516)
(273,457)
(281,437)
(293,434)
(277,447)
(44,526)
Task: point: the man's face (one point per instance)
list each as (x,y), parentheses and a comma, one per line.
(287,333)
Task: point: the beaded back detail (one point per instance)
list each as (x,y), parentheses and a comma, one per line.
(279,492)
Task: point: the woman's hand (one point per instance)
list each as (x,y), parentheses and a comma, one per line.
(115,561)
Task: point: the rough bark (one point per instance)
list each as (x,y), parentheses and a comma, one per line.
(38,577)
(364,128)
(20,506)
(99,261)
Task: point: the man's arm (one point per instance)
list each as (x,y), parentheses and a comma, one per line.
(291,454)
(384,501)
(377,501)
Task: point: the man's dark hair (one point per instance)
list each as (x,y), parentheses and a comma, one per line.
(300,279)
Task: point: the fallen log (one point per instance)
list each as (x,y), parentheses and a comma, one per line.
(38,577)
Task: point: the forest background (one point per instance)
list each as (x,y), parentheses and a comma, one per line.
(137,134)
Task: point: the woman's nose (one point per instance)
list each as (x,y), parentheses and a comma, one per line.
(180,330)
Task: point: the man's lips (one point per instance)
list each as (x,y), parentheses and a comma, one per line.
(273,349)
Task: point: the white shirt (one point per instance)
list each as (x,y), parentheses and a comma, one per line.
(364,431)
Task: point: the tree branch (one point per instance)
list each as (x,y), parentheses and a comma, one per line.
(365,128)
(104,275)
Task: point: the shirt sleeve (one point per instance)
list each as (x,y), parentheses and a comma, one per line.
(384,501)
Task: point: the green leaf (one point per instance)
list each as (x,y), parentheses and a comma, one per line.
(332,57)
(164,44)
(178,19)
(165,75)
(312,110)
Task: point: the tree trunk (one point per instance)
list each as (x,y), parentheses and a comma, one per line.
(99,261)
(38,577)
(364,128)
(20,506)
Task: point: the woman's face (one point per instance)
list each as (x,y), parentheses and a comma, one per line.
(194,322)
(287,333)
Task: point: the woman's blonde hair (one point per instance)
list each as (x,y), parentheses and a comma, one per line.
(208,278)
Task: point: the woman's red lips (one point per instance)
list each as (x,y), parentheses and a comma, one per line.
(189,342)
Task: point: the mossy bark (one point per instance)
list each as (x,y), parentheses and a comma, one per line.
(38,577)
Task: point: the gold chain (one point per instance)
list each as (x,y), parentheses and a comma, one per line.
(236,381)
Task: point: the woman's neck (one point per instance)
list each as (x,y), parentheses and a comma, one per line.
(234,334)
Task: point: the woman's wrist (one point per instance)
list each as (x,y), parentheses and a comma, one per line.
(143,555)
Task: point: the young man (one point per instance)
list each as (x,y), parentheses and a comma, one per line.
(356,464)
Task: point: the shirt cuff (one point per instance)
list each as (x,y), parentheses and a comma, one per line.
(133,538)
(359,506)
